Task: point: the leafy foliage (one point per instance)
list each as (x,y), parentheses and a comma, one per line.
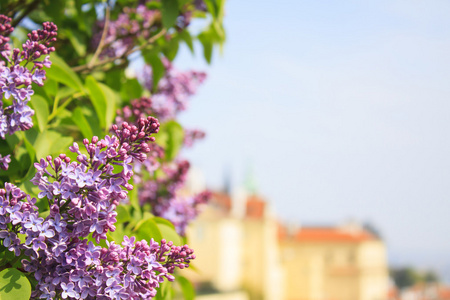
(14,285)
(406,277)
(87,89)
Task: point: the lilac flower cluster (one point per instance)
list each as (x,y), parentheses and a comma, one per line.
(158,192)
(122,34)
(135,24)
(82,197)
(90,189)
(138,108)
(69,267)
(16,78)
(162,194)
(173,91)
(5,30)
(4,161)
(181,210)
(162,191)
(19,215)
(200,5)
(192,135)
(187,12)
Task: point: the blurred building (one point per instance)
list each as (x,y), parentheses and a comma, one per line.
(341,263)
(238,254)
(243,253)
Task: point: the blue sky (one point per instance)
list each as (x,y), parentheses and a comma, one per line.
(342,110)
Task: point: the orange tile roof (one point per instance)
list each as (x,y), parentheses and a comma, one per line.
(444,293)
(393,293)
(282,231)
(323,234)
(255,207)
(222,201)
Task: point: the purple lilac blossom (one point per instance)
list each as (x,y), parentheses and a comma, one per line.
(123,33)
(140,108)
(57,252)
(192,135)
(161,192)
(173,90)
(4,161)
(182,210)
(137,24)
(162,195)
(200,5)
(16,79)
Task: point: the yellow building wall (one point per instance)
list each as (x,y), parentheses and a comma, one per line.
(218,245)
(235,254)
(263,273)
(335,271)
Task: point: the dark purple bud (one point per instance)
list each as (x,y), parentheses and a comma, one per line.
(57,162)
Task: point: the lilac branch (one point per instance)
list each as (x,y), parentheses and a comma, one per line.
(150,41)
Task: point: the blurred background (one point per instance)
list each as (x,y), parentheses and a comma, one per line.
(333,118)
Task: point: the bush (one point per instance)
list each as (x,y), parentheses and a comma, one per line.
(104,220)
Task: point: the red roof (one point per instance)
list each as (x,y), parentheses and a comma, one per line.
(323,234)
(255,207)
(444,293)
(222,201)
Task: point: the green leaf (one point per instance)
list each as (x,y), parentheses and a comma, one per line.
(113,79)
(186,287)
(51,142)
(123,215)
(98,99)
(76,39)
(187,38)
(55,9)
(134,201)
(61,72)
(30,149)
(28,187)
(112,98)
(104,100)
(41,111)
(148,229)
(132,89)
(158,69)
(160,220)
(51,87)
(170,137)
(207,43)
(118,234)
(44,214)
(171,50)
(170,234)
(93,120)
(64,92)
(14,285)
(6,255)
(169,12)
(79,119)
(165,292)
